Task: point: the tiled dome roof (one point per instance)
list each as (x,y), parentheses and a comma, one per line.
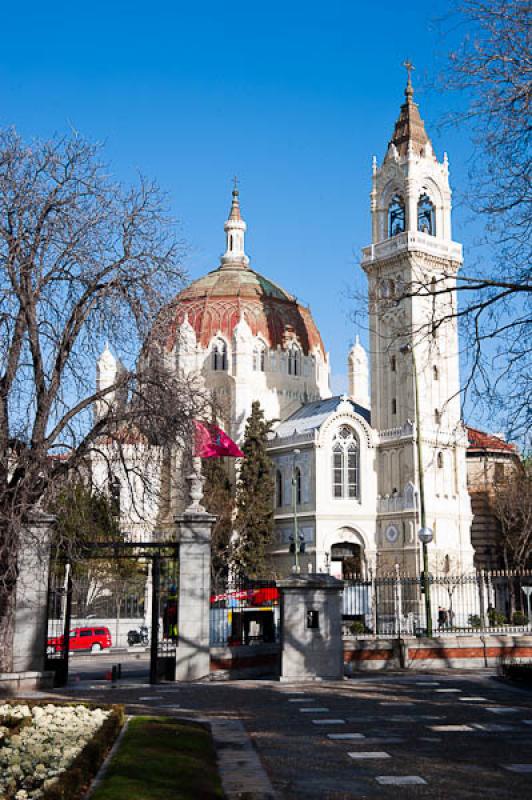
(216,302)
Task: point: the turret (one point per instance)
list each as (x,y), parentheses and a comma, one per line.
(108,371)
(358,374)
(235,230)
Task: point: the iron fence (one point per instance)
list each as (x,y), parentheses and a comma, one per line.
(394,605)
(244,612)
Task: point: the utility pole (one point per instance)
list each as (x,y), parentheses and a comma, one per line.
(424,533)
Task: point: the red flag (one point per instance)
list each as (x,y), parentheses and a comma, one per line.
(213,442)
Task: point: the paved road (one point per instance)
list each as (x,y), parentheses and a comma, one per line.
(457,735)
(94,666)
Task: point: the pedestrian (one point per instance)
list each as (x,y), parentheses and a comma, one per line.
(442,617)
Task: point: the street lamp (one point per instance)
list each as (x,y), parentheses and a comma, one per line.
(424,533)
(295,543)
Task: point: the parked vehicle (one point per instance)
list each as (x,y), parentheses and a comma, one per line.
(93,639)
(138,636)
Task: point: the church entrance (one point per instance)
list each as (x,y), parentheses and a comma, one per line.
(346,560)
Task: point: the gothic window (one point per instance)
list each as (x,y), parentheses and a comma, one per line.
(345,464)
(437,416)
(278,488)
(425,215)
(294,360)
(297,485)
(393,363)
(440,460)
(219,355)
(396,216)
(394,405)
(435,373)
(114,492)
(259,358)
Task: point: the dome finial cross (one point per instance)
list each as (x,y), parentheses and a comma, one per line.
(407,64)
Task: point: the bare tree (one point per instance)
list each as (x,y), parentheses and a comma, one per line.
(492,71)
(512,503)
(81,259)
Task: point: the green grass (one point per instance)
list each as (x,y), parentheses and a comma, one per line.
(161,758)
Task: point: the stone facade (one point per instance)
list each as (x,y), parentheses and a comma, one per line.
(490,461)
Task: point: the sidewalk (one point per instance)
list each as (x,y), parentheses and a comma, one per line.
(440,736)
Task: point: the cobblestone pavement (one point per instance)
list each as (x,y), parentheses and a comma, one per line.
(444,735)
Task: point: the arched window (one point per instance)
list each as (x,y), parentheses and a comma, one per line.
(350,556)
(439,460)
(435,373)
(297,485)
(259,358)
(294,360)
(219,355)
(396,216)
(278,488)
(345,466)
(425,215)
(437,416)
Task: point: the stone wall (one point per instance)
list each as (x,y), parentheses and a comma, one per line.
(451,652)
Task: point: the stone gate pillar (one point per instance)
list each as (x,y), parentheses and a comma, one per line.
(311,628)
(192,652)
(31,604)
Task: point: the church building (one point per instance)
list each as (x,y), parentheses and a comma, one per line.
(349,471)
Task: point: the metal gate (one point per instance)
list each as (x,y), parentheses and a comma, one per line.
(58,628)
(164,559)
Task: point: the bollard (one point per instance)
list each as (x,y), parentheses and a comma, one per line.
(119,671)
(114,673)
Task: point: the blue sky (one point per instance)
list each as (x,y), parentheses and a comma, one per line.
(293,97)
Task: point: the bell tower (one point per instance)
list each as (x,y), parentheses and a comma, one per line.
(411,267)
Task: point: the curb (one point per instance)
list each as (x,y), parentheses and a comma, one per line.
(106,762)
(239,765)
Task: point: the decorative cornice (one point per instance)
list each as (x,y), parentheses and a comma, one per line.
(375,255)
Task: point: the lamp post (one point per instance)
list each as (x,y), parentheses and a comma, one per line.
(295,544)
(424,533)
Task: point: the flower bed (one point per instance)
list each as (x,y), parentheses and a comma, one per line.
(50,751)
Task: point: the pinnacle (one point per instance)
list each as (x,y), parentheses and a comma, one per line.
(409,129)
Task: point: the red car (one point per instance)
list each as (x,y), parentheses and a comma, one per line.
(93,639)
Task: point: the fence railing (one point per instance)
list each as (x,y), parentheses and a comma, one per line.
(245,611)
(395,605)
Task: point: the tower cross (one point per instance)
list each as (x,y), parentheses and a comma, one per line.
(407,64)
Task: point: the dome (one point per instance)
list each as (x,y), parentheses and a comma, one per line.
(215,303)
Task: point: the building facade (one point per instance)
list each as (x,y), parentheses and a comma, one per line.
(349,471)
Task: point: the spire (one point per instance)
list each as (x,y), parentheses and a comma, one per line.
(235,205)
(409,135)
(235,229)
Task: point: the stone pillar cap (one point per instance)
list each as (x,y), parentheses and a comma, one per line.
(316,580)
